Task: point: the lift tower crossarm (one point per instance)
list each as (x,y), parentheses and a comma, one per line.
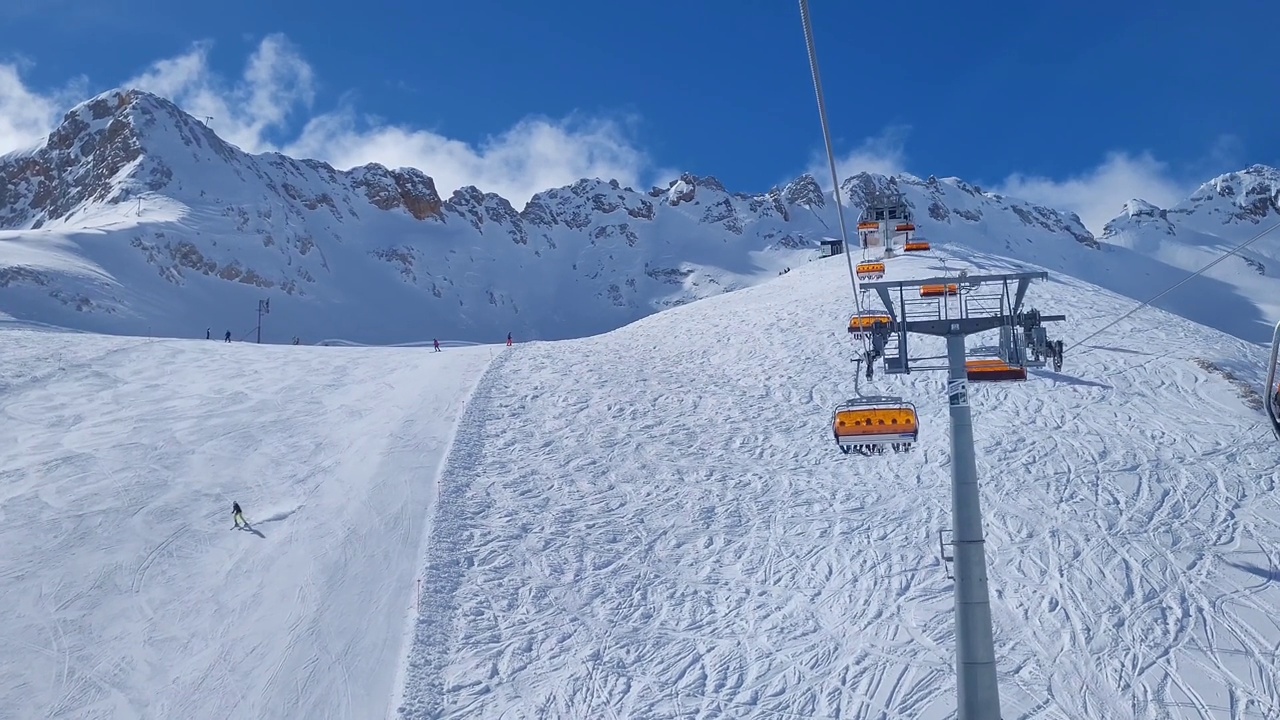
(882,288)
(980,303)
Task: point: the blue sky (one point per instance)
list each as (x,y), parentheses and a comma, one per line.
(1079,105)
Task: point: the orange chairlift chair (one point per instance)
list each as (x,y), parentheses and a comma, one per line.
(860,325)
(869,425)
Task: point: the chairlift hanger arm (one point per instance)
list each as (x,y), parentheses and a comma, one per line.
(1023,284)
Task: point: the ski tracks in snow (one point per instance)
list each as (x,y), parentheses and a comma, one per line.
(129,595)
(420,686)
(1108,540)
(669,550)
(656,523)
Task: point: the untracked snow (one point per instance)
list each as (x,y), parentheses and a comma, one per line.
(656,523)
(127,594)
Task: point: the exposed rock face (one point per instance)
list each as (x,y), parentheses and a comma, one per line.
(154,193)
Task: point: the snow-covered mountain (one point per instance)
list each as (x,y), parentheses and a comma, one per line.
(677,536)
(1220,215)
(134,217)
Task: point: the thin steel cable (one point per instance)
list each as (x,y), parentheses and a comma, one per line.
(807,21)
(1174,286)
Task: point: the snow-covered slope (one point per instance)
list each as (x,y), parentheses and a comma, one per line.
(134,217)
(656,523)
(1220,215)
(127,595)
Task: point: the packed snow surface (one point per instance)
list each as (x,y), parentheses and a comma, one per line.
(127,594)
(656,523)
(650,523)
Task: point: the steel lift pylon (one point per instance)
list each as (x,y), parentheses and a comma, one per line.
(981,303)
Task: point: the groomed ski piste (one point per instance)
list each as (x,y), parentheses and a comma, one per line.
(650,523)
(128,594)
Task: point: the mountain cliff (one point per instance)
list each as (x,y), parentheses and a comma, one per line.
(135,217)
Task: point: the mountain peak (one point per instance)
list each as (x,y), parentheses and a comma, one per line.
(1249,194)
(164,197)
(805,192)
(84,159)
(1140,208)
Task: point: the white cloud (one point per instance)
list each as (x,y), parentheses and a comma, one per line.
(278,87)
(270,107)
(1099,195)
(883,154)
(276,79)
(534,155)
(27,116)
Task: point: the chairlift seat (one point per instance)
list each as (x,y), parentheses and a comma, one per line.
(876,421)
(870,270)
(860,325)
(938,290)
(993,370)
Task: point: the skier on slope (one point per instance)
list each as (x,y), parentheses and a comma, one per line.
(437,345)
(508,339)
(238,516)
(227,337)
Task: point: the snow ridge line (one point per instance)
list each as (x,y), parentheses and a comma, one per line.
(421,694)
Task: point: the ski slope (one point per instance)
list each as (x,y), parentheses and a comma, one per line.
(656,523)
(649,523)
(126,592)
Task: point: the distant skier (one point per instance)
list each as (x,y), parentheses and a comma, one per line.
(508,339)
(238,516)
(227,337)
(437,345)
(208,333)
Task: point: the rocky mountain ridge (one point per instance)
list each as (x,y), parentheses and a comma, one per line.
(135,214)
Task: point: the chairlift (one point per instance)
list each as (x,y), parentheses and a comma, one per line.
(861,324)
(868,425)
(915,246)
(904,227)
(870,270)
(993,370)
(939,290)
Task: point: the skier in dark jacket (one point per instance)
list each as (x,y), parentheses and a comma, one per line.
(437,344)
(238,516)
(227,337)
